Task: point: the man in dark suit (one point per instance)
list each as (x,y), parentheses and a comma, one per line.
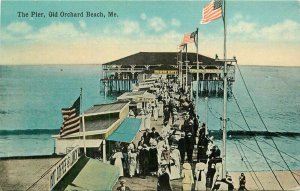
(154,134)
(163,183)
(144,160)
(189,144)
(147,136)
(181,147)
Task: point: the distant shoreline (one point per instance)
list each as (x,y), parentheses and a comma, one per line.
(29,132)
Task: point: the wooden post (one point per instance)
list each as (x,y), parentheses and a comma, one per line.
(104,150)
(83,129)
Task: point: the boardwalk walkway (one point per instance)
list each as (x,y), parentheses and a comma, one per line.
(266,177)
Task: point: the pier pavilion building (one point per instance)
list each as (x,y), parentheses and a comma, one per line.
(119,75)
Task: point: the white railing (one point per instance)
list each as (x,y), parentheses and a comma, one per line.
(61,168)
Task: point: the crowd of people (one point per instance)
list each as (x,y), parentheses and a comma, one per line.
(169,154)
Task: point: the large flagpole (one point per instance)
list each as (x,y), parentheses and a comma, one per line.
(186,68)
(197,52)
(225,94)
(181,63)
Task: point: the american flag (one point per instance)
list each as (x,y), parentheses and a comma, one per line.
(181,46)
(212,11)
(71,123)
(188,38)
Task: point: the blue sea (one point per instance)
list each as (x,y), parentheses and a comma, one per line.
(31,98)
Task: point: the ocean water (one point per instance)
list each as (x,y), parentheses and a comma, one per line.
(31,98)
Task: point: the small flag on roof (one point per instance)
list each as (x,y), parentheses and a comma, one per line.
(212,11)
(181,46)
(71,123)
(188,38)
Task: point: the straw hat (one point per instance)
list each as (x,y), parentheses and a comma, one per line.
(187,166)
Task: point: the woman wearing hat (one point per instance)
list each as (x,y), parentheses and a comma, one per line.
(175,162)
(132,156)
(200,176)
(165,155)
(187,175)
(147,121)
(118,161)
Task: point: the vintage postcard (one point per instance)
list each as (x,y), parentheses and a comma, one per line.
(149,95)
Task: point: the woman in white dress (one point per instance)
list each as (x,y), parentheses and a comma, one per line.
(175,163)
(142,116)
(218,174)
(200,174)
(160,147)
(147,124)
(160,107)
(132,162)
(188,178)
(155,113)
(118,161)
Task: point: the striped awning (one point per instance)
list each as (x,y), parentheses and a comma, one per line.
(126,132)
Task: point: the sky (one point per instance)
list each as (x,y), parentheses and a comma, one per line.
(258,32)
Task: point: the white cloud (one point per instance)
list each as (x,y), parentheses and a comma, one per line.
(56,31)
(243,29)
(143,16)
(82,24)
(65,43)
(287,30)
(157,24)
(175,23)
(129,27)
(19,27)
